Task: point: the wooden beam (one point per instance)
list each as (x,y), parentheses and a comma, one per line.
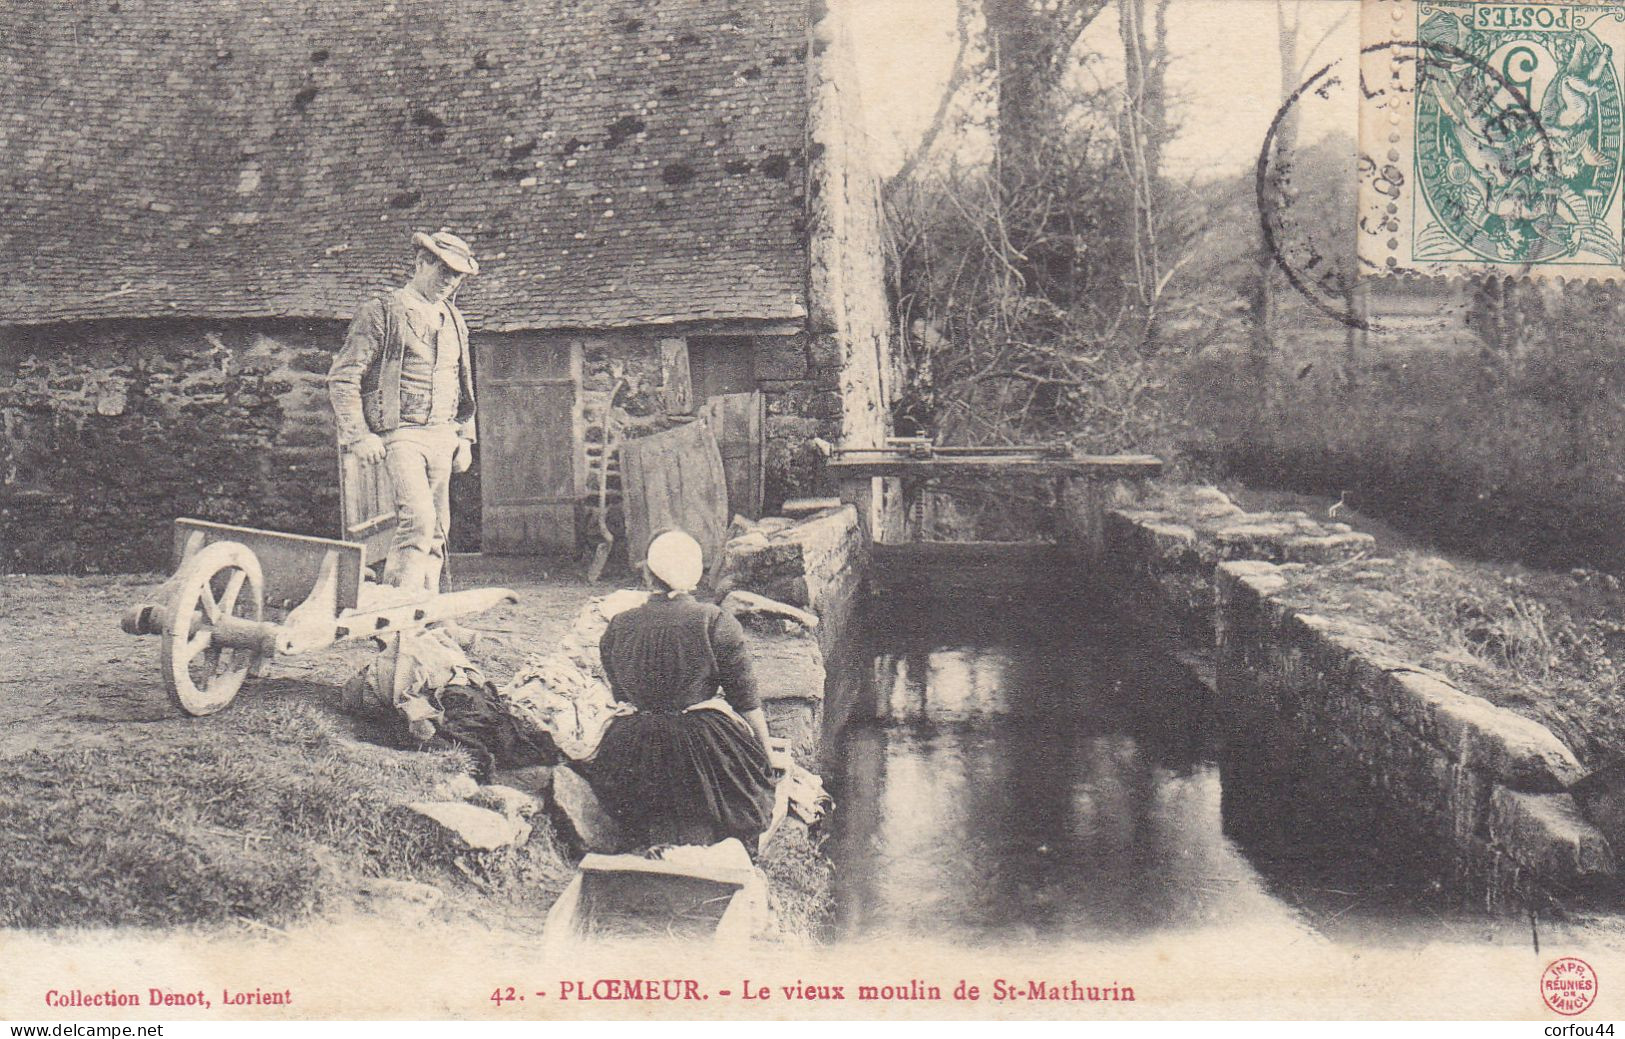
(1105,467)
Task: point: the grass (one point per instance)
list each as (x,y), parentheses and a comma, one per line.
(271,813)
(268,812)
(800,884)
(1545,645)
(1479,452)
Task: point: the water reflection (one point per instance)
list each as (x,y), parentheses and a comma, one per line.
(942,685)
(1042,775)
(1012,791)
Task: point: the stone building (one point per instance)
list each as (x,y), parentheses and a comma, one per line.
(670,195)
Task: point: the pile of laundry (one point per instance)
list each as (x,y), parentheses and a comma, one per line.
(564,692)
(558,706)
(423,688)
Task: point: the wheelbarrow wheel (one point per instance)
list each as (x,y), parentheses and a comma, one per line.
(221,580)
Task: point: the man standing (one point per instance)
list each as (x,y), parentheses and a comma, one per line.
(402,390)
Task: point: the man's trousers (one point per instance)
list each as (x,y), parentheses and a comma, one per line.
(419,462)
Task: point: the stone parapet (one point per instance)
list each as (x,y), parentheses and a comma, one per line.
(1329,711)
(818,564)
(1480,781)
(1162,552)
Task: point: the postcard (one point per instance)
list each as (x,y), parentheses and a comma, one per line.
(1088,510)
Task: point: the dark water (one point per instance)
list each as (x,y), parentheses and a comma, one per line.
(1015,772)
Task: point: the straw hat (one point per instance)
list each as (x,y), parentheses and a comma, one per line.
(452,251)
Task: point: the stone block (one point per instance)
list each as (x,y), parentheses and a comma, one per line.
(745,540)
(579,818)
(759,552)
(1326,548)
(1132,519)
(1517,751)
(787,666)
(1207,503)
(471,827)
(1547,834)
(1336,698)
(781,357)
(535,780)
(764,614)
(1173,546)
(1601,797)
(797,721)
(1457,796)
(1255,580)
(1253,540)
(791,428)
(510,801)
(826,351)
(1187,596)
(1325,627)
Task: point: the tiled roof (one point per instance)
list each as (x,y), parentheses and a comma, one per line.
(614,162)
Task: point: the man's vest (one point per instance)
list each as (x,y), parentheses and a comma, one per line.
(380,383)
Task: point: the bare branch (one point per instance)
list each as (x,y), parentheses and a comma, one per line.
(960,72)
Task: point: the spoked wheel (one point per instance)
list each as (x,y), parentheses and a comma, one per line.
(219,581)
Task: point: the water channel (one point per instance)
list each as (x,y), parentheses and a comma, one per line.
(1020,770)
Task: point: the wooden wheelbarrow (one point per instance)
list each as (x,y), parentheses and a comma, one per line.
(212,615)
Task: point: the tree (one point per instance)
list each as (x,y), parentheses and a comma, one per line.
(1026,287)
(1291,68)
(1143,132)
(963,70)
(1029,50)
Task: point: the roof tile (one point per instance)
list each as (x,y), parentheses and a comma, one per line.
(251,158)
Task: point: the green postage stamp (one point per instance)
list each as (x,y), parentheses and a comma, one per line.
(1491,138)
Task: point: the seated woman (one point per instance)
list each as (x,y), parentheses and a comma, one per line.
(689,767)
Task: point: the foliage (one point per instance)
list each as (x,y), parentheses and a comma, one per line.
(1503,444)
(1035,306)
(800,884)
(1017,293)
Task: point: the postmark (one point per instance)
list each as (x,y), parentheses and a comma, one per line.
(1313,251)
(1569,986)
(1495,136)
(1310,252)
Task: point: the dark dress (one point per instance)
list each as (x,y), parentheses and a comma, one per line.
(675,777)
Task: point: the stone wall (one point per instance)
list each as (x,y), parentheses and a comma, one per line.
(1327,724)
(819,564)
(1160,549)
(800,377)
(849,314)
(112,429)
(847,271)
(1481,787)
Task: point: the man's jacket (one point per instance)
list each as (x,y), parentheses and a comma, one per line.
(364,382)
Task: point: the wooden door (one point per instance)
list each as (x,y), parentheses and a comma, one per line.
(674,479)
(530,482)
(737,421)
(721,364)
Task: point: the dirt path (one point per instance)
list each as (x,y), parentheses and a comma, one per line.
(69,677)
